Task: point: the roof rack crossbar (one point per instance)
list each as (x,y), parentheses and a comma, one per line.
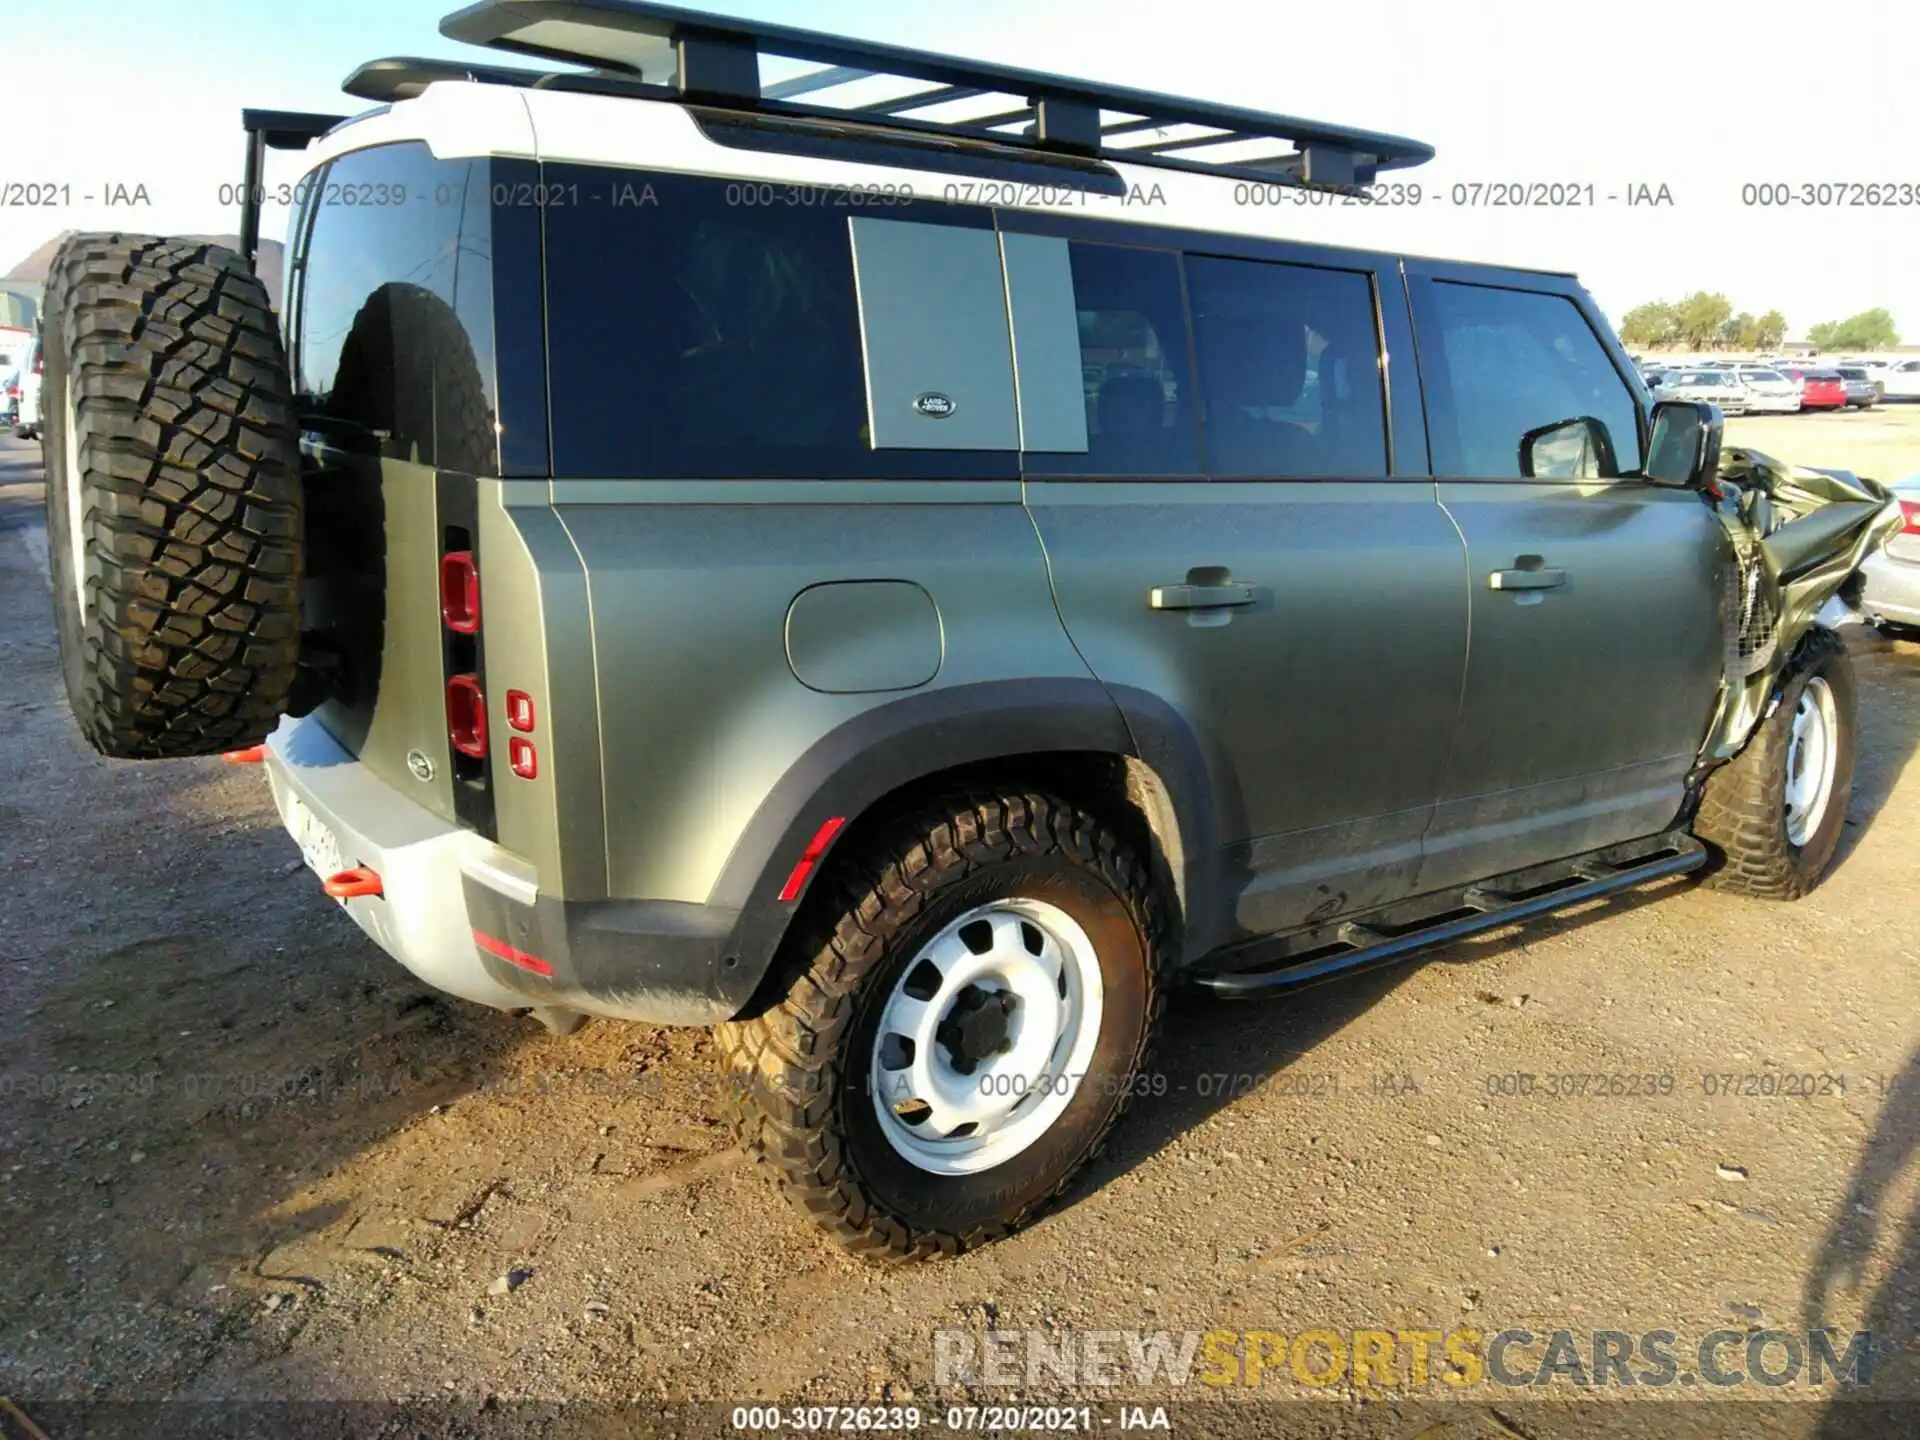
(815,80)
(919,100)
(714,59)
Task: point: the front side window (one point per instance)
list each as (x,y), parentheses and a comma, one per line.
(1509,362)
(1136,369)
(1289,370)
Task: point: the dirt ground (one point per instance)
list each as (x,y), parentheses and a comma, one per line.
(243,1157)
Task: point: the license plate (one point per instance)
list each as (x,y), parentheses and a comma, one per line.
(318,845)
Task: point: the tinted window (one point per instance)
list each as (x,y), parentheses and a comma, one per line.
(1509,362)
(1289,369)
(699,328)
(395,312)
(1136,371)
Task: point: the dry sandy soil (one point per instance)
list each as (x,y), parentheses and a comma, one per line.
(243,1157)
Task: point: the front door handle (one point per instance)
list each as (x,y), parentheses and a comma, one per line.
(1540,579)
(1199,597)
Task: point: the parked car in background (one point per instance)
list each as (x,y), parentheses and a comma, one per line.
(1863,390)
(1902,381)
(1768,391)
(26,415)
(1716,387)
(1820,389)
(13,349)
(1890,598)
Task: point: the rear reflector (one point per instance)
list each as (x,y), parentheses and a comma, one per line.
(252,755)
(1910,512)
(512,955)
(522,758)
(460,592)
(350,884)
(810,857)
(520,710)
(467,716)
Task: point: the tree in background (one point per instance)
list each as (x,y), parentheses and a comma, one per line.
(1702,318)
(1768,331)
(1869,330)
(1653,324)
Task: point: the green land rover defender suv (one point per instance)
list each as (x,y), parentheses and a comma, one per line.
(875,579)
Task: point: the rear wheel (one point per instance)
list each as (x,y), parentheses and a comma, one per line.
(1774,813)
(971,1013)
(173,496)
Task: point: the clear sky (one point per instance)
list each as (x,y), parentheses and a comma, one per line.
(99,93)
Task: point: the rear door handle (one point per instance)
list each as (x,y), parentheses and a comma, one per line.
(1199,597)
(1541,579)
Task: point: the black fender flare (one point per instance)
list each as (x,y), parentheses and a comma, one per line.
(861,762)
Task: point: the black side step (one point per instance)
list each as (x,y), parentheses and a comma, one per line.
(1343,947)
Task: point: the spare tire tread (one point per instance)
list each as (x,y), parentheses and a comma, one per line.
(184,427)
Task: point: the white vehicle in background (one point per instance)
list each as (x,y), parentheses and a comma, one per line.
(13,350)
(1902,380)
(1716,387)
(26,419)
(1768,391)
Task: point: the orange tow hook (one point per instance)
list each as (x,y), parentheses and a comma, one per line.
(349,884)
(252,755)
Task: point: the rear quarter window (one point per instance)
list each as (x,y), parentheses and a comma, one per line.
(702,328)
(393,322)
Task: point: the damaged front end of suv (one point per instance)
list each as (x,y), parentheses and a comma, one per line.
(1799,536)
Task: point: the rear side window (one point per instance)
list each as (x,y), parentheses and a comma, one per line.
(700,328)
(1289,369)
(1500,363)
(1136,368)
(394,321)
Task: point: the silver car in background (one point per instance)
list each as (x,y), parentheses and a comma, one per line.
(1715,387)
(1768,391)
(1891,596)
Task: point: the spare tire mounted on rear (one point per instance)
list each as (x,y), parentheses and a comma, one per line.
(173,496)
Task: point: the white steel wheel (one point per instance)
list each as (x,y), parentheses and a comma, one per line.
(1813,751)
(985,1035)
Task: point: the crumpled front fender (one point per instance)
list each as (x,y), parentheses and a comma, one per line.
(1798,534)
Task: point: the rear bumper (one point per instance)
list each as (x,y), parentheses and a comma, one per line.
(468,917)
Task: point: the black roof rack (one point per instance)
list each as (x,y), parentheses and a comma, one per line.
(715,60)
(402,77)
(275,130)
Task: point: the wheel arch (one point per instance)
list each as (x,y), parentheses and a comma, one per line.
(1063,735)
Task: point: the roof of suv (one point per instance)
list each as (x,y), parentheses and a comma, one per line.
(1105,142)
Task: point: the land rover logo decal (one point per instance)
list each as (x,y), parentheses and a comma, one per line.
(420,765)
(934,405)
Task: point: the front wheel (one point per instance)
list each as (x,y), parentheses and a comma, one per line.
(968,1018)
(1774,812)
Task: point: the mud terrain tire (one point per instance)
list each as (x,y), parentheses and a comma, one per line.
(798,1070)
(1744,812)
(173,496)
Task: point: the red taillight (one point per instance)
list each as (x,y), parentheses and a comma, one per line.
(1910,512)
(460,592)
(467,716)
(252,755)
(36,365)
(810,857)
(523,758)
(520,711)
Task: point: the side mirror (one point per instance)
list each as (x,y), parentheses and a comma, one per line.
(1576,449)
(1685,449)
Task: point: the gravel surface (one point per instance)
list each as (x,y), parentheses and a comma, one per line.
(243,1157)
